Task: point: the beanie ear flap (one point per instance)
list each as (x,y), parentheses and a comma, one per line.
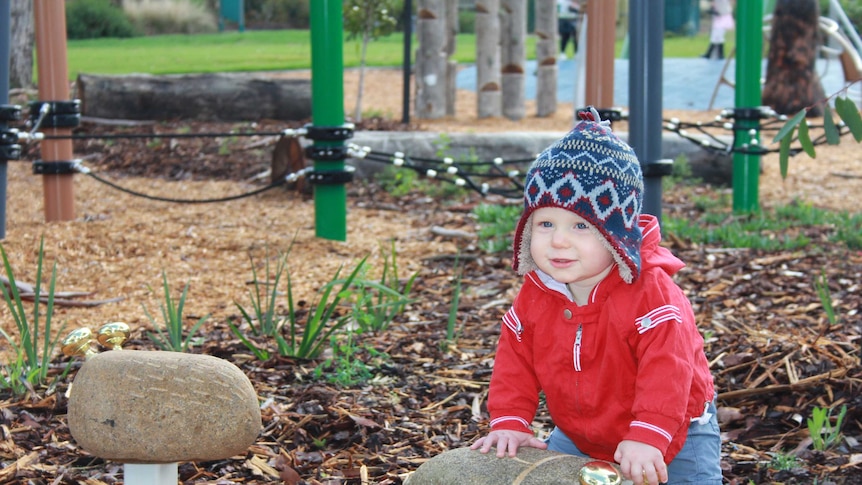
(522,259)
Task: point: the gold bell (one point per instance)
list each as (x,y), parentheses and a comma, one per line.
(599,473)
(77,343)
(113,335)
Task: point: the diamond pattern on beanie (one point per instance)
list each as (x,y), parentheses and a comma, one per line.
(594,174)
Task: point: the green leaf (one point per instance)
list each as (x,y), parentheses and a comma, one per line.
(789,126)
(784,155)
(850,115)
(832,135)
(805,139)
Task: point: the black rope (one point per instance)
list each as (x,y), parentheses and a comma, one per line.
(185,201)
(161,135)
(422,165)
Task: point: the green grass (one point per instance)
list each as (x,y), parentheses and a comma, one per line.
(785,227)
(268,50)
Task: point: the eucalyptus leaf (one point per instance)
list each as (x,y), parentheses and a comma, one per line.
(805,139)
(788,127)
(833,137)
(850,115)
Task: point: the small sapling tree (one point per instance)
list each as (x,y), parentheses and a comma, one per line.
(367,20)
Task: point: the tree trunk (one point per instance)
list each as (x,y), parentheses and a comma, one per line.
(357,112)
(488,82)
(452,29)
(513,56)
(210,97)
(21,48)
(431,59)
(792,82)
(546,57)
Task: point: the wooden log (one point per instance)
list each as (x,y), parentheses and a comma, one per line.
(202,97)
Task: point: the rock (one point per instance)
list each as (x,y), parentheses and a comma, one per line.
(531,467)
(162,407)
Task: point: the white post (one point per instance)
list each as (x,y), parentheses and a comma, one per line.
(150,474)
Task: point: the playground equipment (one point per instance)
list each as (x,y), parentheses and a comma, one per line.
(57,115)
(746,166)
(233,11)
(150,410)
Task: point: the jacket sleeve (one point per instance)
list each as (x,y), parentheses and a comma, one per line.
(666,342)
(514,392)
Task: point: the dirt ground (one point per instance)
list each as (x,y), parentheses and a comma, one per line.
(118,246)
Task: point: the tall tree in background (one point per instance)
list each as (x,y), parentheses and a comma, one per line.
(791,78)
(546,57)
(431,64)
(513,57)
(488,63)
(21,53)
(367,20)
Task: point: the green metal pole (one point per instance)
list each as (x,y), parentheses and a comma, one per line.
(327,109)
(749,48)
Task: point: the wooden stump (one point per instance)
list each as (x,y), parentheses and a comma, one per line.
(202,97)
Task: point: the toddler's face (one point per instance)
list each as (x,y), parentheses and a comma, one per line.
(565,246)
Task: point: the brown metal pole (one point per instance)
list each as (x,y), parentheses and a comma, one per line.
(601,35)
(53,70)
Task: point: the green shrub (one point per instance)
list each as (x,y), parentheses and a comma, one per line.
(157,17)
(90,19)
(467,21)
(293,14)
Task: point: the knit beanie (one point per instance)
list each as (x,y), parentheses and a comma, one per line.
(594,174)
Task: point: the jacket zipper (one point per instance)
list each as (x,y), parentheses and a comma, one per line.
(577,349)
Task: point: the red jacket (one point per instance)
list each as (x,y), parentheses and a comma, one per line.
(629,365)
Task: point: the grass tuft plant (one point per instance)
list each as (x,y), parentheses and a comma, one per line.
(452,321)
(35,347)
(293,337)
(378,303)
(171,338)
(306,340)
(824,434)
(346,367)
(496,226)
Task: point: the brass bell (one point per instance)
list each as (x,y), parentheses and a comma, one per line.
(77,343)
(113,335)
(599,473)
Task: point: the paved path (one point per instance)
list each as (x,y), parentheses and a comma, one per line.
(688,83)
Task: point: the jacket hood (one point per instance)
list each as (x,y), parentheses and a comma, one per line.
(653,255)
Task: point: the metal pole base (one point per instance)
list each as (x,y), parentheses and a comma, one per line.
(150,474)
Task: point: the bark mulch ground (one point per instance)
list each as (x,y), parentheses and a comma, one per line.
(775,354)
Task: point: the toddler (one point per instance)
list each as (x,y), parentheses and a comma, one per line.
(599,325)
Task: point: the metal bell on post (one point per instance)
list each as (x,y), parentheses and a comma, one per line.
(79,343)
(113,335)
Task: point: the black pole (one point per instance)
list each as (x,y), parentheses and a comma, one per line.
(646,28)
(5,49)
(408,38)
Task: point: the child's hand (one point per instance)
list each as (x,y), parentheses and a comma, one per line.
(641,463)
(507,440)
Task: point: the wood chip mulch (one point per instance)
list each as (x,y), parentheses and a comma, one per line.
(774,353)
